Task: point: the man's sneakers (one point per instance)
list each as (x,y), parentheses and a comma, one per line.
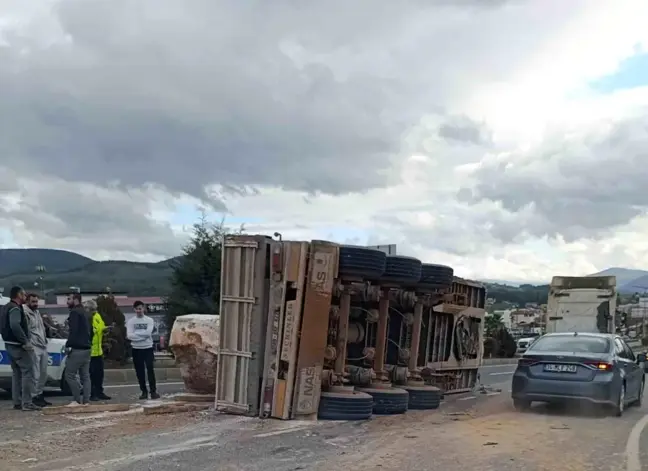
(27,407)
(154,395)
(100,397)
(40,401)
(30,408)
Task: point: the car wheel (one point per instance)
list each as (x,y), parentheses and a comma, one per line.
(521,405)
(639,400)
(619,408)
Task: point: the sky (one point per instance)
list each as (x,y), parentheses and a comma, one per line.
(506,138)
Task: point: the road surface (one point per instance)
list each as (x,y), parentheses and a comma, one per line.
(471,431)
(119,393)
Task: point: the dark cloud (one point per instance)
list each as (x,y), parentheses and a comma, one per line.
(576,186)
(312,97)
(464,130)
(49,213)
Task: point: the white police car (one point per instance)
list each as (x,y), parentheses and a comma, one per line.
(55,369)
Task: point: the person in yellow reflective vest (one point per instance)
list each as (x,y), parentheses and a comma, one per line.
(96,353)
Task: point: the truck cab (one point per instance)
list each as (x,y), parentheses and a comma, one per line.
(582,304)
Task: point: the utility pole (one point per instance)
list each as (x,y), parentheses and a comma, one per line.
(41,278)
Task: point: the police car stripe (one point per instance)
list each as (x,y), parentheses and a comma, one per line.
(54,359)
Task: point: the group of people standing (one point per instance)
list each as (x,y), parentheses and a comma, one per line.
(25,336)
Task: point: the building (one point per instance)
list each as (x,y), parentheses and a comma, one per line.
(155,307)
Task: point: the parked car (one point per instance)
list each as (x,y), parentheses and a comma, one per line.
(55,369)
(599,369)
(524,343)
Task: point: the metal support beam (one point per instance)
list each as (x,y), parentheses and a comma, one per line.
(381,336)
(343,333)
(416,336)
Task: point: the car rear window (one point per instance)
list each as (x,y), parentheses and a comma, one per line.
(580,344)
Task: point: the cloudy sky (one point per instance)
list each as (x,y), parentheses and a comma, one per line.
(508,138)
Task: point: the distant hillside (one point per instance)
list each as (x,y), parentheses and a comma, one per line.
(624,276)
(65,269)
(518,295)
(26,260)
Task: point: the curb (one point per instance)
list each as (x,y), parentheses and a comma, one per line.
(128,376)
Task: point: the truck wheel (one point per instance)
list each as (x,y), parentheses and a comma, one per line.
(436,276)
(361,261)
(345,406)
(423,397)
(402,269)
(388,401)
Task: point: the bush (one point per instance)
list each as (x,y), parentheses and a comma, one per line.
(115,345)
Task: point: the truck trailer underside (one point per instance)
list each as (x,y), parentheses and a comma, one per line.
(316,329)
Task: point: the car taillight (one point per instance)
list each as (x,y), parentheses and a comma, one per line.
(600,365)
(527,362)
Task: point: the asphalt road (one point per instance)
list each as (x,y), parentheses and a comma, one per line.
(123,393)
(471,431)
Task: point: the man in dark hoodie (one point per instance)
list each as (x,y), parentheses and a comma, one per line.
(15,334)
(78,346)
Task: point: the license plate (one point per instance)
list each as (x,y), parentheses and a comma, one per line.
(560,368)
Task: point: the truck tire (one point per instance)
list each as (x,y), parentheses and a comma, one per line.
(401,269)
(423,397)
(345,406)
(388,401)
(361,261)
(436,276)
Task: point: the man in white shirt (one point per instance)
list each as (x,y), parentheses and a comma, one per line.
(139,330)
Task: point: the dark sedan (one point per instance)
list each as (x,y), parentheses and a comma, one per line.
(593,368)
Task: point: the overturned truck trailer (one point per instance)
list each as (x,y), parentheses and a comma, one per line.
(315,329)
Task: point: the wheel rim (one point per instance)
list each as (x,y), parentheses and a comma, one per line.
(622,399)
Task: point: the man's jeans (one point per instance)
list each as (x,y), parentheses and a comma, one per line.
(78,362)
(41,360)
(22,367)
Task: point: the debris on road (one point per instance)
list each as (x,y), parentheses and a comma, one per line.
(202,398)
(86,409)
(175,408)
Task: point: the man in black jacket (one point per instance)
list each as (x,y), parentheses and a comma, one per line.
(15,334)
(78,346)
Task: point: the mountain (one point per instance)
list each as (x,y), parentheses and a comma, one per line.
(624,276)
(26,260)
(64,269)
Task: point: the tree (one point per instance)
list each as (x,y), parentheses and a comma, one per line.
(195,280)
(114,342)
(493,323)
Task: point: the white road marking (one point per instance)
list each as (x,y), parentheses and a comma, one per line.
(632,447)
(283,431)
(499,373)
(467,398)
(503,365)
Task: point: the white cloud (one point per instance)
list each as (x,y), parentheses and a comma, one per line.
(464,131)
